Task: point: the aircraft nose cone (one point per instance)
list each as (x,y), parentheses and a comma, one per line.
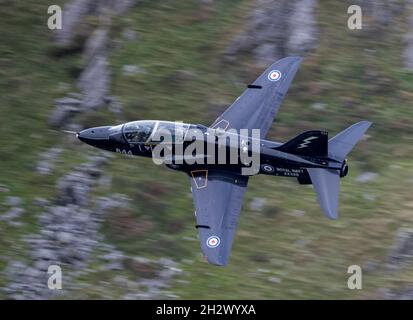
(94,134)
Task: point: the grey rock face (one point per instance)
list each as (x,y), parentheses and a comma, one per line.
(303,35)
(65,109)
(75,11)
(402,252)
(167,270)
(408,51)
(96,44)
(73,14)
(131,70)
(47,160)
(68,235)
(115,105)
(381,11)
(114,260)
(74,189)
(276,29)
(129,34)
(296,213)
(41,202)
(366,177)
(403,294)
(12,215)
(318,106)
(12,201)
(257,204)
(94,83)
(121,6)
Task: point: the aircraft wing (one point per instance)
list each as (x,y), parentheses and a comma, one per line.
(257,107)
(218,199)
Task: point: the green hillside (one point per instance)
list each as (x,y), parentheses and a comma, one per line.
(283,249)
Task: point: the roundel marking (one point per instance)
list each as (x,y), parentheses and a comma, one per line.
(267,168)
(213,242)
(274,75)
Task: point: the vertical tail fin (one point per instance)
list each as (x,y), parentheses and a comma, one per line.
(310,143)
(326,182)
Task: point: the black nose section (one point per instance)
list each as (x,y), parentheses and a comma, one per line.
(94,135)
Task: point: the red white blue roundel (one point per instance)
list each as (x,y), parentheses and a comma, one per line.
(213,242)
(274,75)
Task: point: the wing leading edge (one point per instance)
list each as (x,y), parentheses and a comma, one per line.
(218,199)
(257,107)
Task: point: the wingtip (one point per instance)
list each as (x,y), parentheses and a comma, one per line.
(217,263)
(332,215)
(292,59)
(296,59)
(364,123)
(368,123)
(330,211)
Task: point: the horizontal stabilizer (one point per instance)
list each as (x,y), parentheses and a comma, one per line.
(326,183)
(340,145)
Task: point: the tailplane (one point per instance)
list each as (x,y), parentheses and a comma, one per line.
(341,145)
(326,182)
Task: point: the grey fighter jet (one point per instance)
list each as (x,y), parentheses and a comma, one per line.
(218,187)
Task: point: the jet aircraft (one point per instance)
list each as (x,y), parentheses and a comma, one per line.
(218,188)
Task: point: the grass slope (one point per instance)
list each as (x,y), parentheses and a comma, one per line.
(276,253)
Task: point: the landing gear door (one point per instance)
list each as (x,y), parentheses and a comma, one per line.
(200,178)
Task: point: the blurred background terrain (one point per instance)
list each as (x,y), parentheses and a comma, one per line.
(123,227)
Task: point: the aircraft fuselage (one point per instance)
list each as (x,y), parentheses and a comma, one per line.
(210,153)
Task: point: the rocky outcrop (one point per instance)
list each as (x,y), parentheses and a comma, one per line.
(96,45)
(164,271)
(12,215)
(400,258)
(14,211)
(402,252)
(384,19)
(94,83)
(276,29)
(379,14)
(408,51)
(404,294)
(47,160)
(75,12)
(68,234)
(366,177)
(121,6)
(69,225)
(94,80)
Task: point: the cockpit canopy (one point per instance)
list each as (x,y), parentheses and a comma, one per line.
(138,131)
(155,131)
